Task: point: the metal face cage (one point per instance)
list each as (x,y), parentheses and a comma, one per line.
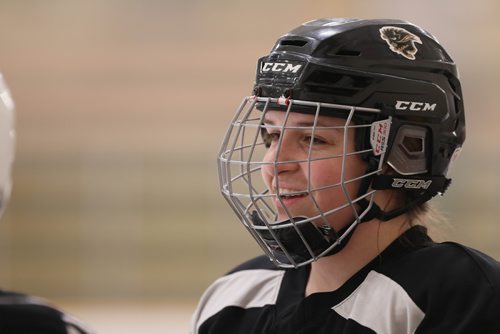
(294,239)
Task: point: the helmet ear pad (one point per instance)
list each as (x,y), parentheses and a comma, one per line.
(404,171)
(408,151)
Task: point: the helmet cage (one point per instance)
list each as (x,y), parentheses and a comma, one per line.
(297,240)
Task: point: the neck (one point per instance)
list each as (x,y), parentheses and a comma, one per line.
(367,242)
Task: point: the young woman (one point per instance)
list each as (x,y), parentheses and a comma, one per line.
(351,129)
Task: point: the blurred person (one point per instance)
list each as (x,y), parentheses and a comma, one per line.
(22,313)
(352,128)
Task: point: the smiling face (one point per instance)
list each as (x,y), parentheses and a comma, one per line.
(303,167)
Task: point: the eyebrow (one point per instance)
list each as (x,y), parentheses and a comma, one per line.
(319,123)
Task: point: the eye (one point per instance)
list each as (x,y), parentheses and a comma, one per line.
(269,137)
(315,140)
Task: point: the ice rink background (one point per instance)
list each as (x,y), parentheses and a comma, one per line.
(121,105)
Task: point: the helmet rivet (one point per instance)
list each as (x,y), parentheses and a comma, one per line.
(257,91)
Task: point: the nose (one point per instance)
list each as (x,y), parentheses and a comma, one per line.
(282,158)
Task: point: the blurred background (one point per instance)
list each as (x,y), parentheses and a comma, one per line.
(121,105)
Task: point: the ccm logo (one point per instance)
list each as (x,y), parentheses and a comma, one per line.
(415,106)
(280,67)
(411,184)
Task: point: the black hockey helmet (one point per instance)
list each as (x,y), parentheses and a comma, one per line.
(387,74)
(391,65)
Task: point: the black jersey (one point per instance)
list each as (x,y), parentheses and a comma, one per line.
(24,314)
(414,286)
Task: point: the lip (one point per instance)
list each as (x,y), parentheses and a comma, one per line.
(288,188)
(288,201)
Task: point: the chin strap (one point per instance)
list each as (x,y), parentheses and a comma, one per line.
(424,187)
(287,240)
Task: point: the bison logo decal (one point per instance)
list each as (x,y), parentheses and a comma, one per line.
(401,41)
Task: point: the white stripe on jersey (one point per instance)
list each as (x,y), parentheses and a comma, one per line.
(394,312)
(245,289)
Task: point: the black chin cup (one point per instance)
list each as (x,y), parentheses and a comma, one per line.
(318,239)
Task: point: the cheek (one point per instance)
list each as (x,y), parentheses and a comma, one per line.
(323,173)
(266,176)
(329,172)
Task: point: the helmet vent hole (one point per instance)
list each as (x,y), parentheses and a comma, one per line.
(413,144)
(293,42)
(323,82)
